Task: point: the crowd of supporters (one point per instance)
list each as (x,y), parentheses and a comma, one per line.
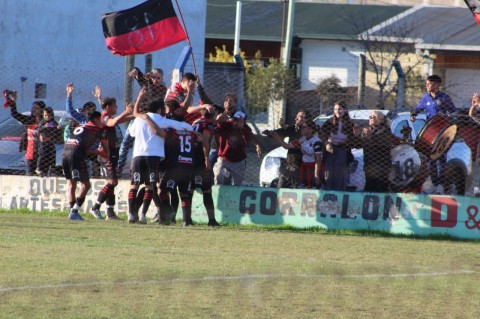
(179,147)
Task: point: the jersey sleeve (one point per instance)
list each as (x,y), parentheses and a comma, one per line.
(318,147)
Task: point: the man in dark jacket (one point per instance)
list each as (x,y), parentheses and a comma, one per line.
(29,142)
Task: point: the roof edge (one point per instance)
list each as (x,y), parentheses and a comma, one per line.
(446,47)
(390,21)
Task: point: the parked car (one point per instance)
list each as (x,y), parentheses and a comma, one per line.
(12,161)
(459,156)
(269,170)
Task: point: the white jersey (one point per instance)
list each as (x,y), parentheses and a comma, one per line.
(147,143)
(310,148)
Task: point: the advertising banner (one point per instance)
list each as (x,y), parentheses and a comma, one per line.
(397,213)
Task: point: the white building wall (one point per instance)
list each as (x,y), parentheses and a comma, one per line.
(322,59)
(60,41)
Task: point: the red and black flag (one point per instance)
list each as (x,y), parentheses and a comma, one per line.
(474,6)
(150,26)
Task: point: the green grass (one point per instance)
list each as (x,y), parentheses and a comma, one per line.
(56,268)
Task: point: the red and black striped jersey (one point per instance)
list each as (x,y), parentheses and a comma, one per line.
(201,126)
(176,93)
(114,134)
(83,138)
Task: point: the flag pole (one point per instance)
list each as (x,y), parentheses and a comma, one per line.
(186,32)
(127,80)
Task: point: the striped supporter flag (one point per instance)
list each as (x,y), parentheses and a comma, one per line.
(148,27)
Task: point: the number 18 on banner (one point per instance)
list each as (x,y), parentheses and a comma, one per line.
(406,165)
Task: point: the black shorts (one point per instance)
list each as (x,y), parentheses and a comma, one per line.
(162,166)
(74,167)
(180,177)
(145,170)
(202,179)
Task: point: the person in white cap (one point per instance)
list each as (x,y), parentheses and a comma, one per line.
(233,136)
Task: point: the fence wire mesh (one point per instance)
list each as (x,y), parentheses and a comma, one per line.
(437,155)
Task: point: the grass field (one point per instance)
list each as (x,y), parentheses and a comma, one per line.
(55,268)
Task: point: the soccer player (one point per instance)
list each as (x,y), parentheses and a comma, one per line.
(202,176)
(114,136)
(179,170)
(77,146)
(182,92)
(148,151)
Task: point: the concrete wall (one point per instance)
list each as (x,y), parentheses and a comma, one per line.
(60,41)
(396,213)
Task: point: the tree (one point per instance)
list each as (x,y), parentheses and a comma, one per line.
(390,41)
(415,86)
(267,84)
(330,91)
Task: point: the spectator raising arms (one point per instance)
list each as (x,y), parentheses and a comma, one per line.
(29,140)
(233,135)
(473,111)
(80,115)
(153,82)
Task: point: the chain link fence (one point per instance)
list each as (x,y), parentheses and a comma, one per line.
(445,146)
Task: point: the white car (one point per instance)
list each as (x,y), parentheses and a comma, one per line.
(458,169)
(269,170)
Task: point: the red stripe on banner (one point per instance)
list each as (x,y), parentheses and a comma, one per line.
(150,38)
(474,8)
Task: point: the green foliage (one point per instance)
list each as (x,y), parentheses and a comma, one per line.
(330,85)
(414,83)
(330,91)
(267,84)
(223,56)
